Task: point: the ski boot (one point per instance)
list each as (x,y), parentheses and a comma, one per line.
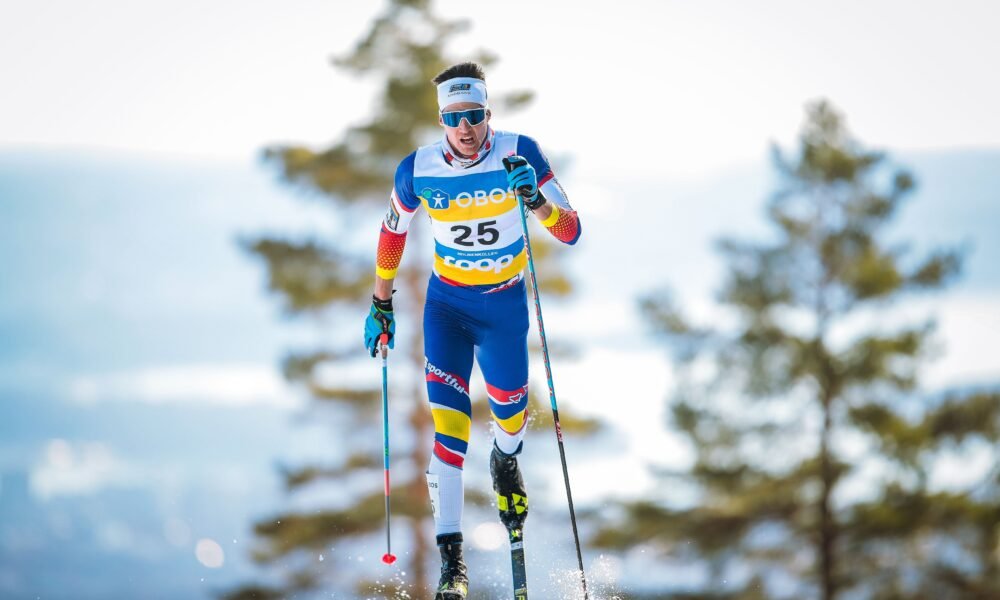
(454,584)
(512,500)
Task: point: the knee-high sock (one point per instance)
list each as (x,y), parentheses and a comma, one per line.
(444,482)
(508,443)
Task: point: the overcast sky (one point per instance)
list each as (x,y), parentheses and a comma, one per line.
(678,88)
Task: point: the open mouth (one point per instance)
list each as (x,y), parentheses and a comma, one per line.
(467,140)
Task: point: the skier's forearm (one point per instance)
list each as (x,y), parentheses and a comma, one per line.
(562,223)
(383,288)
(543,212)
(559,217)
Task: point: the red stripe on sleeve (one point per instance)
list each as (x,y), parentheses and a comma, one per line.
(567,227)
(390,249)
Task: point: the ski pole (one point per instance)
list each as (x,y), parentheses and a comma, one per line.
(510,165)
(388,558)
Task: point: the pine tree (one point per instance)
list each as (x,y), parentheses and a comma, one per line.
(811,385)
(333,279)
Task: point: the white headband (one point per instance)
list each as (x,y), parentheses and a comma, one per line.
(461,89)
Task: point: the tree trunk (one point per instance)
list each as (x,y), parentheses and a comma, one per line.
(827,526)
(825,377)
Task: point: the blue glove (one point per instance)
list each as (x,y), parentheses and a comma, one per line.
(522,179)
(380,320)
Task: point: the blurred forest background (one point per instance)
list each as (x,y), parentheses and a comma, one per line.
(774,375)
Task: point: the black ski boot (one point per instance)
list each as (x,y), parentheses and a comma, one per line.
(512,500)
(454,584)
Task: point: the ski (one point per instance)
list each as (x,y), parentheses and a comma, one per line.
(517,564)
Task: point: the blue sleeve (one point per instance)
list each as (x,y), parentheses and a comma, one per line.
(528,148)
(403,183)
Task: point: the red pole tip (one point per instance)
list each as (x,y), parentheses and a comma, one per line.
(388,558)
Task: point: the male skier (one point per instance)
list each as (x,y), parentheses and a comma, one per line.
(476,300)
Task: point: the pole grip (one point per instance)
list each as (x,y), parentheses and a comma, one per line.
(383,340)
(511,162)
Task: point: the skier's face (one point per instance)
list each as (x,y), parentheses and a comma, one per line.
(466,139)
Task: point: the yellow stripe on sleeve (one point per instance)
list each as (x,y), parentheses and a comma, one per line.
(386,273)
(552,218)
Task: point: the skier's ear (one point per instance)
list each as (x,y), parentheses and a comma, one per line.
(440,120)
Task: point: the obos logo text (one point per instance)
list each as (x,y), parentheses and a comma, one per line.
(438,199)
